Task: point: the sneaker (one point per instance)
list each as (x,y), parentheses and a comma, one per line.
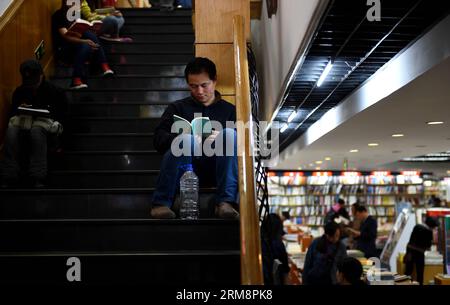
(77,83)
(225,211)
(162,212)
(107,70)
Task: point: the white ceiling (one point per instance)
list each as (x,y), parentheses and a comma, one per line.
(427,98)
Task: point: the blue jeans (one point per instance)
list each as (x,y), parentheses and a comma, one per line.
(13,149)
(112,25)
(225,172)
(81,53)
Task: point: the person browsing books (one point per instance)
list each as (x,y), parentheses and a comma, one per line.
(219,169)
(323,256)
(366,236)
(77,48)
(112,20)
(44,107)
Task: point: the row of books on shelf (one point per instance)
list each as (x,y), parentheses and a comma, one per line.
(382,211)
(303,211)
(380,190)
(345,190)
(300,200)
(325,180)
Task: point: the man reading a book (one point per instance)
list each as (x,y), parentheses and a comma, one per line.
(220,169)
(37,107)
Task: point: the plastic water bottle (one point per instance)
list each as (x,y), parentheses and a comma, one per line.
(189,194)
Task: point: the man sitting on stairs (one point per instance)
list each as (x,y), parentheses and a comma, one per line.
(201,77)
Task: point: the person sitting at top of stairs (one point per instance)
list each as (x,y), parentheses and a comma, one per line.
(39,94)
(112,22)
(77,49)
(221,165)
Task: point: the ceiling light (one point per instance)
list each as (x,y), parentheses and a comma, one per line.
(324,74)
(292,116)
(398,135)
(300,168)
(373,144)
(435,123)
(354,151)
(448,172)
(311,164)
(284,128)
(319,162)
(318,168)
(327,159)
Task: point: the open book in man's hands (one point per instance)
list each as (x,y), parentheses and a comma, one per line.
(200,126)
(80,26)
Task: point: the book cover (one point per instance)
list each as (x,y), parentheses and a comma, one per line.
(80,26)
(200,126)
(33,111)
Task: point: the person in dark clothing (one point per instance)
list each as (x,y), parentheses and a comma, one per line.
(219,169)
(32,131)
(323,256)
(349,272)
(420,241)
(337,211)
(366,236)
(273,249)
(77,49)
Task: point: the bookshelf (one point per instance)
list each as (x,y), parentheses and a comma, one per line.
(309,195)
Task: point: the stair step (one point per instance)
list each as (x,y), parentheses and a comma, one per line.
(144,21)
(112,125)
(136,110)
(111,141)
(149,48)
(124,95)
(152,12)
(136,58)
(172,268)
(106,160)
(133,69)
(103,179)
(131,29)
(118,82)
(164,38)
(120,203)
(104,235)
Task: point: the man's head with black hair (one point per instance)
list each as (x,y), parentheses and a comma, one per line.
(332,232)
(361,212)
(341,202)
(201,76)
(431,222)
(349,271)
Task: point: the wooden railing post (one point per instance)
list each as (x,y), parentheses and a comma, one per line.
(251,257)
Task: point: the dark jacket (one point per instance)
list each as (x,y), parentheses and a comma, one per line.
(221,111)
(321,262)
(421,238)
(47,96)
(366,241)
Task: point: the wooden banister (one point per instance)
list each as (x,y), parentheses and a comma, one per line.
(251,257)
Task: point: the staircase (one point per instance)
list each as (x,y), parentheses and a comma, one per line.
(97,204)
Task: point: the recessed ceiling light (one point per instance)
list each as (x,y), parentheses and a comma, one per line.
(284,128)
(398,135)
(435,123)
(300,168)
(318,168)
(448,172)
(373,144)
(292,116)
(319,162)
(327,159)
(311,164)
(354,151)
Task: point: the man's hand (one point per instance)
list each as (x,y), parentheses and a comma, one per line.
(92,44)
(117,14)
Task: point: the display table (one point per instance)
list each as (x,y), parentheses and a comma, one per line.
(441,279)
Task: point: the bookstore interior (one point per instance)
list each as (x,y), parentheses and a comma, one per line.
(397,200)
